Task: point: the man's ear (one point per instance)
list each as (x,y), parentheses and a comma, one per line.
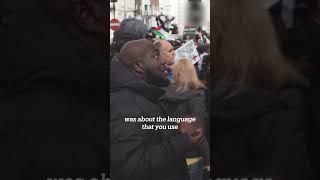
(138,67)
(90,15)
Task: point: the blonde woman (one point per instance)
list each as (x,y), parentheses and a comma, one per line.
(259,101)
(185,97)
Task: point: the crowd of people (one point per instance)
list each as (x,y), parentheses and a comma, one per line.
(146,80)
(255,97)
(263,97)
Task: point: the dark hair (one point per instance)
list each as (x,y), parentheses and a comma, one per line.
(130,29)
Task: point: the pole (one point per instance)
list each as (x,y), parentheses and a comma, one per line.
(124,7)
(114,10)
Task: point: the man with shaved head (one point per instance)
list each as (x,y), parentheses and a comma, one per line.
(142,57)
(139,153)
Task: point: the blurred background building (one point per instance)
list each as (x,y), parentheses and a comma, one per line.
(147,10)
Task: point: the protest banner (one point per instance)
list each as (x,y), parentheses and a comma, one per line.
(189,51)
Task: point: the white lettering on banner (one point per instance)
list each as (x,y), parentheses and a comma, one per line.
(189,51)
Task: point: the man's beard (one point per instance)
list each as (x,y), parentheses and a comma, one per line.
(156,80)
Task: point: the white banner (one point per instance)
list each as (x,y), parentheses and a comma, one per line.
(189,51)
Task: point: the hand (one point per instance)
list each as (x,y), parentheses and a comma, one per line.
(197,136)
(189,128)
(194,132)
(194,57)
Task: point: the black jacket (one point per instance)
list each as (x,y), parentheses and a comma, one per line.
(136,153)
(190,103)
(52,100)
(258,133)
(304,42)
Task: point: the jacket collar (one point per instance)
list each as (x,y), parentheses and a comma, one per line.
(122,77)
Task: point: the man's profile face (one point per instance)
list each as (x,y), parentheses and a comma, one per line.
(155,69)
(167,53)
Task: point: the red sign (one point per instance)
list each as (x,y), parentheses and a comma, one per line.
(115,24)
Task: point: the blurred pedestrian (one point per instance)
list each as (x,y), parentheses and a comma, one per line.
(258,106)
(130,29)
(302,46)
(52,95)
